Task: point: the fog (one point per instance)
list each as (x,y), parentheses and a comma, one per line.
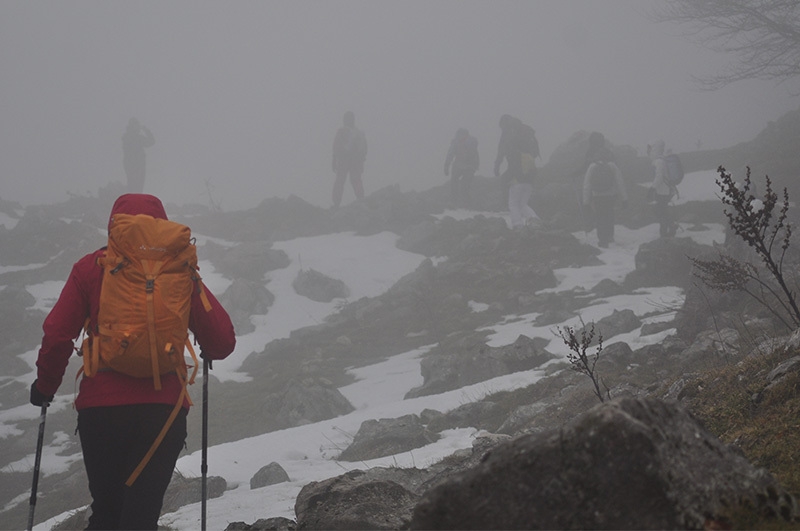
(245,97)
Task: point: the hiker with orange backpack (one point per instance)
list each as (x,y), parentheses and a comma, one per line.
(137,299)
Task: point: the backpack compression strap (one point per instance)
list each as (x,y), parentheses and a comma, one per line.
(163,433)
(146,459)
(151,271)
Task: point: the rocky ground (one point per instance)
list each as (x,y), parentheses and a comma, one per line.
(646,427)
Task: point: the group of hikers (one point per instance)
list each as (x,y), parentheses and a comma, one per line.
(132,400)
(599,187)
(598,184)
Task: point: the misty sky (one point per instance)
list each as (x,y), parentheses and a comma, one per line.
(248,95)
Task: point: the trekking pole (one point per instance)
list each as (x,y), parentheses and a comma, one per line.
(204,453)
(36,465)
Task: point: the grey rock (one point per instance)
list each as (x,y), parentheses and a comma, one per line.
(183,491)
(243,299)
(619,322)
(466,415)
(357,500)
(521,417)
(665,262)
(264,524)
(247,260)
(307,401)
(318,287)
(270,474)
(448,368)
(608,288)
(379,438)
(789,366)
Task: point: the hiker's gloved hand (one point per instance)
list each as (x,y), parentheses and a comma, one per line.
(38,398)
(206,359)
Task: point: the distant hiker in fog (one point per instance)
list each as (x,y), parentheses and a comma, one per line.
(603,189)
(461,163)
(519,148)
(349,154)
(596,149)
(134,160)
(661,190)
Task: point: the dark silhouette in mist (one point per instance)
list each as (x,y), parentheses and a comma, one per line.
(349,154)
(134,160)
(461,163)
(603,190)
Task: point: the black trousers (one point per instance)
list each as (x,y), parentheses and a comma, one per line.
(114,439)
(603,207)
(667,227)
(459,187)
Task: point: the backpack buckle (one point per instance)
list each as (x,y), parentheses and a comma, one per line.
(149,285)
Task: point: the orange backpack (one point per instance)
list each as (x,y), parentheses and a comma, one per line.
(150,270)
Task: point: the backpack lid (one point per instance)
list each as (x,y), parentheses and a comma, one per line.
(137,204)
(142,237)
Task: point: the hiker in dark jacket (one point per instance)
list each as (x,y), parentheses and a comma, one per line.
(134,159)
(461,163)
(603,189)
(508,149)
(349,154)
(120,416)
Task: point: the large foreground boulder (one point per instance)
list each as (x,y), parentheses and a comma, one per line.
(626,464)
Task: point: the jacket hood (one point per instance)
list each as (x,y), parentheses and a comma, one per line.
(134,204)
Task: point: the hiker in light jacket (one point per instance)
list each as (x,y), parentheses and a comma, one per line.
(661,190)
(120,416)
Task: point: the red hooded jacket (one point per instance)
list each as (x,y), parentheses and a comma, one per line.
(80,298)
